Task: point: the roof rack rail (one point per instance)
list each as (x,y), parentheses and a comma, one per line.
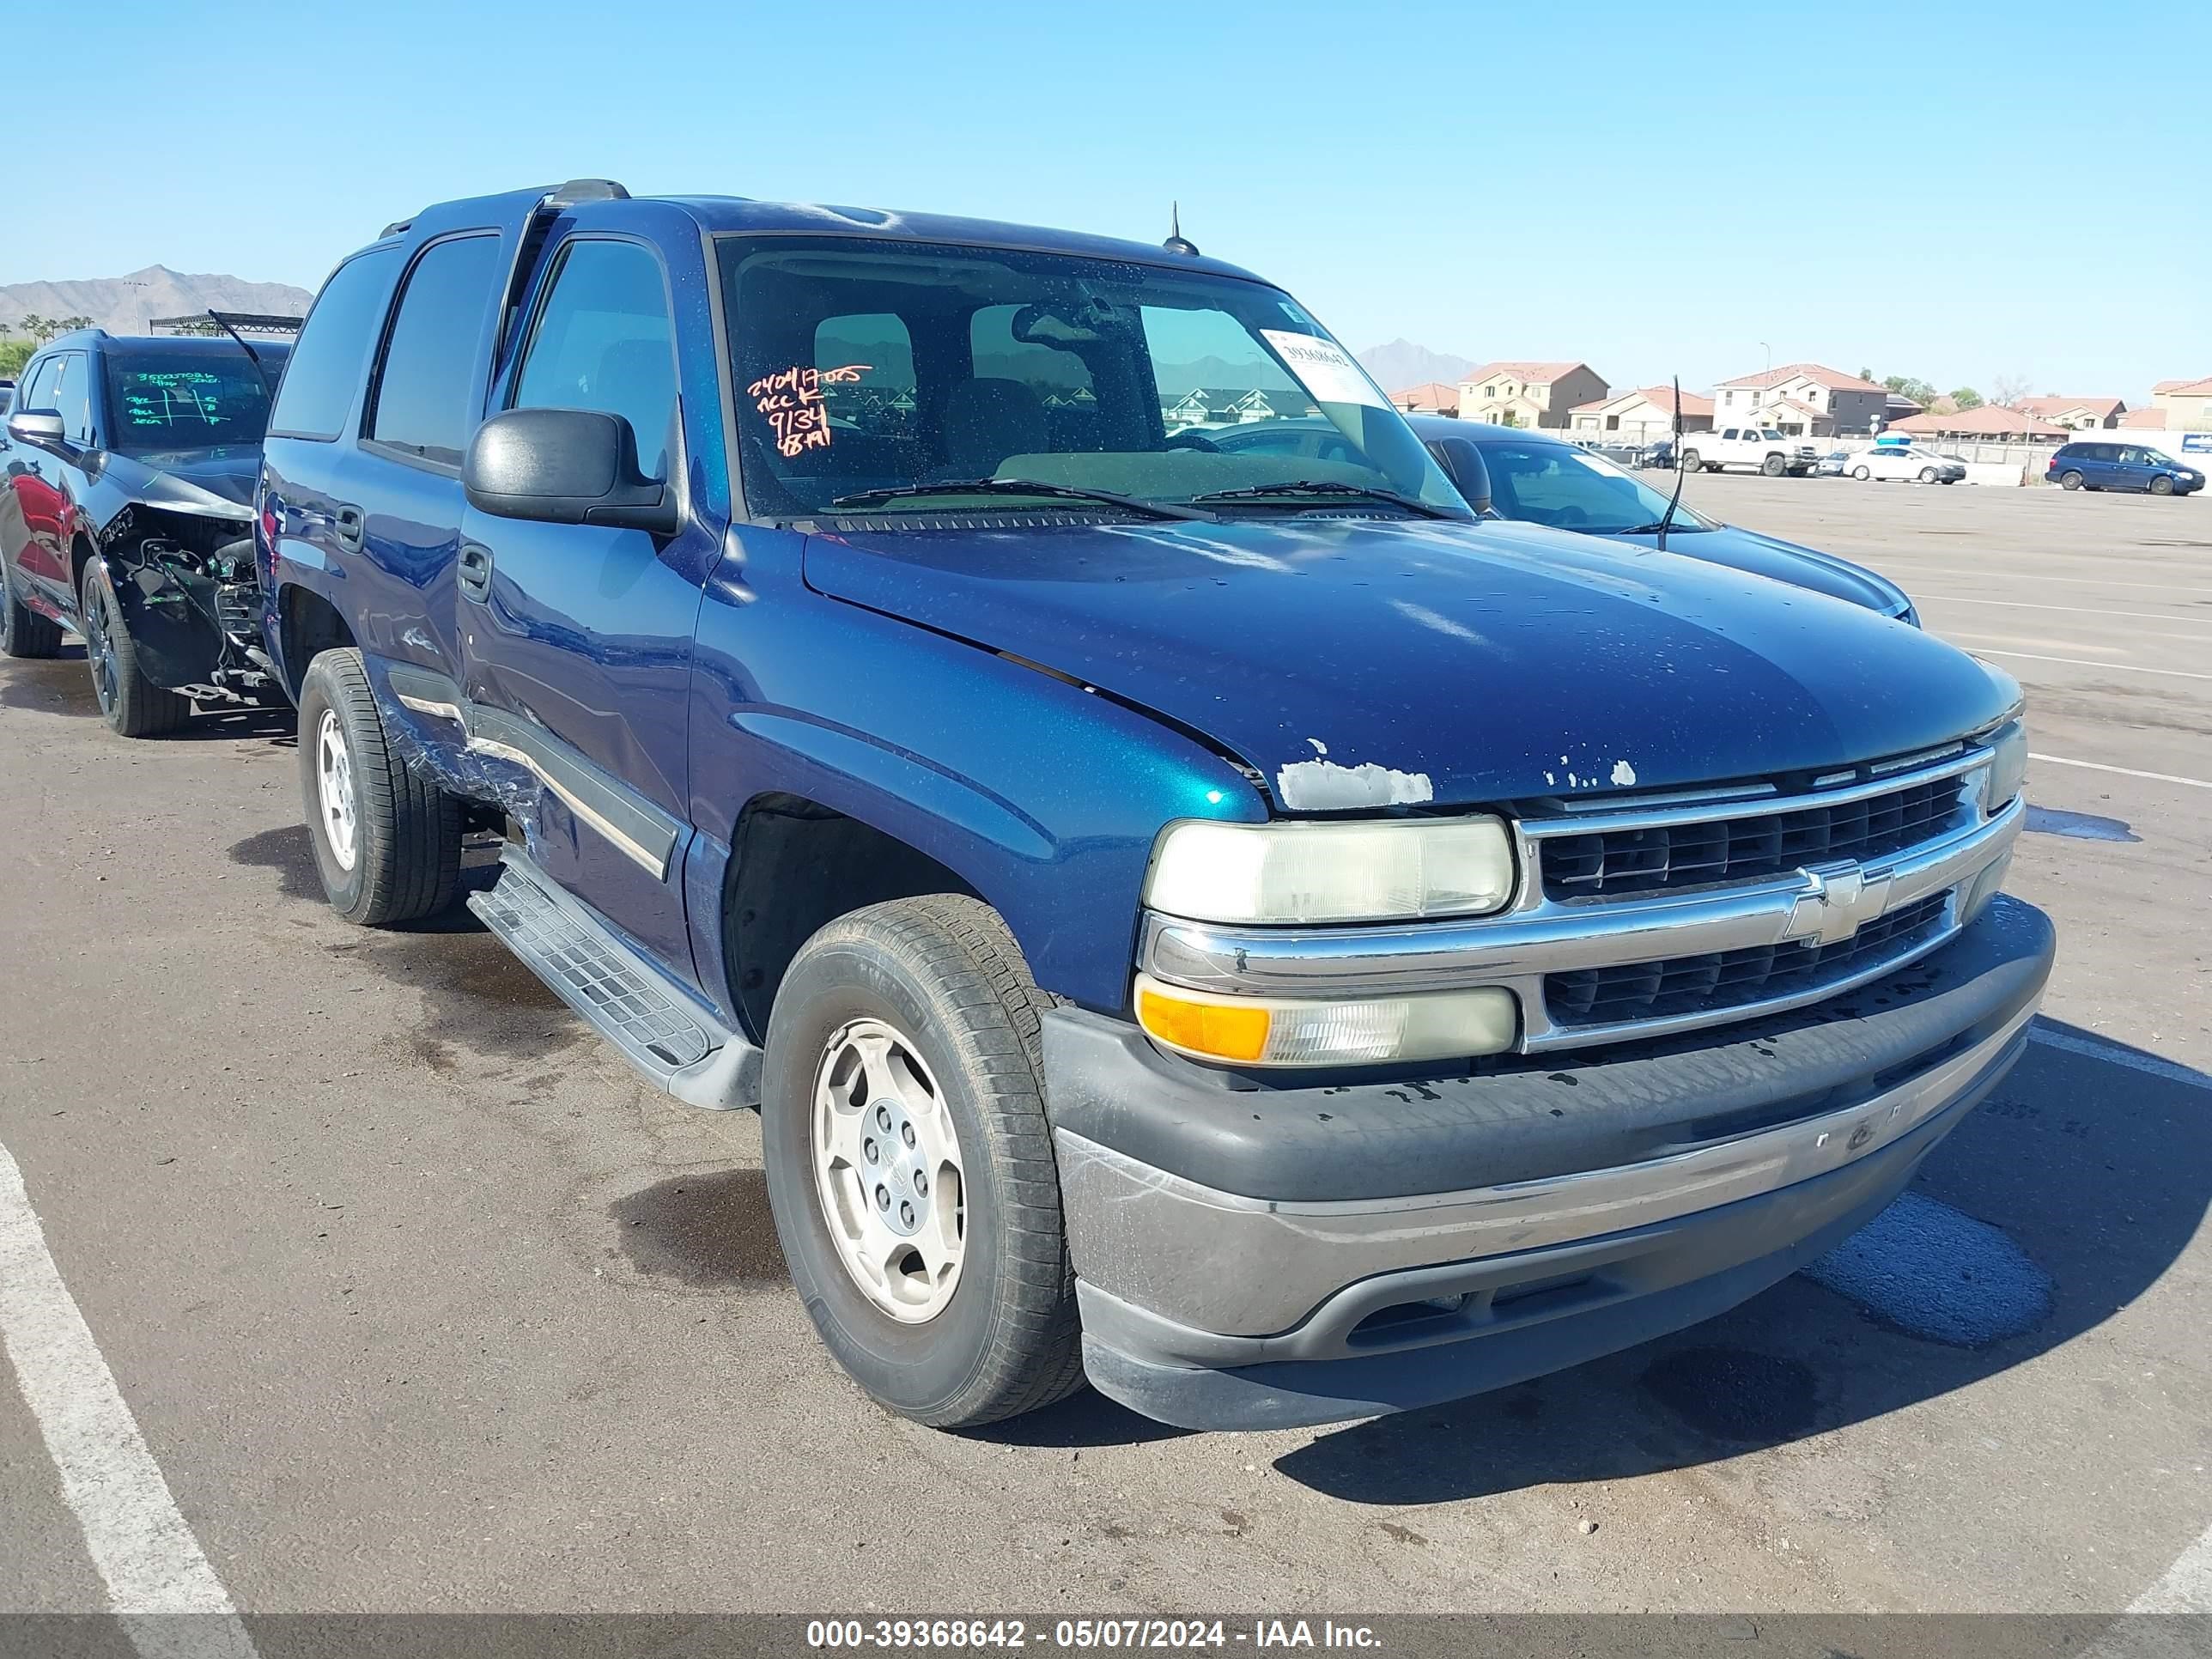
(556,201)
(578,191)
(393,228)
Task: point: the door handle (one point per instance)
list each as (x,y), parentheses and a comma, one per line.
(351,526)
(473,570)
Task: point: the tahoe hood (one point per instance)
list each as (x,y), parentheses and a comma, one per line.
(1357,663)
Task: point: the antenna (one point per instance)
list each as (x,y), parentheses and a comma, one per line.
(1680,473)
(1176,242)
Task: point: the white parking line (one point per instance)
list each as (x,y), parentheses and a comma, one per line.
(2204,621)
(2169,1071)
(2187,1586)
(2124,771)
(142,1547)
(2085,662)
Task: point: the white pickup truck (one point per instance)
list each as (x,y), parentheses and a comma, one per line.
(1762,448)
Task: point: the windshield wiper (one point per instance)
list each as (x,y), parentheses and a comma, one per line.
(1325,487)
(1024,487)
(1652,529)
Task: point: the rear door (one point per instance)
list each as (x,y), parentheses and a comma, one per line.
(577,639)
(404,484)
(306,453)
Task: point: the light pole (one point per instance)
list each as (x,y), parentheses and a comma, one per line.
(1765,375)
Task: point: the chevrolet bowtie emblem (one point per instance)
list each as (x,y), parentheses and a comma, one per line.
(1837,899)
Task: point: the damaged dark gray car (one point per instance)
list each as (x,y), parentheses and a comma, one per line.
(126,490)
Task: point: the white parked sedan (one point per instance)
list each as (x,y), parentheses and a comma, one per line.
(1907,462)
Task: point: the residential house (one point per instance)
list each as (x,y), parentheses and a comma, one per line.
(1213,405)
(1834,403)
(2075,414)
(1643,416)
(1900,407)
(1529,394)
(1991,423)
(1793,419)
(2150,418)
(1430,397)
(2187,404)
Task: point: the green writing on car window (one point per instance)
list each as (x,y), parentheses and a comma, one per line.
(164,397)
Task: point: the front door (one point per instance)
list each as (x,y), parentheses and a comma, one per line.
(577,638)
(50,483)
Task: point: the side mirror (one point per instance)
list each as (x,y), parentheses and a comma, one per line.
(565,466)
(39,427)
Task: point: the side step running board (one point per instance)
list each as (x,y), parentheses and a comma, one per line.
(664,1031)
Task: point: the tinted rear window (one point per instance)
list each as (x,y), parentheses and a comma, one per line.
(184,399)
(325,368)
(422,402)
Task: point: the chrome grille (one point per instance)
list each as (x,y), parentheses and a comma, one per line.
(1724,979)
(1749,847)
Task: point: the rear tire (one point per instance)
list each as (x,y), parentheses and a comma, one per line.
(2161,485)
(1774,467)
(23,632)
(2071,481)
(387,840)
(133,705)
(961,1313)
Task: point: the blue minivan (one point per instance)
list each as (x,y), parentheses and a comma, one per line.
(2104,466)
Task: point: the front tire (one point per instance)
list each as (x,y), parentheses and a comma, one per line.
(131,704)
(23,632)
(387,840)
(1862,473)
(1691,462)
(2161,485)
(1774,467)
(2071,481)
(1928,475)
(905,1041)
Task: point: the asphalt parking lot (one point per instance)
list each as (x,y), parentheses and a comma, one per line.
(420,1302)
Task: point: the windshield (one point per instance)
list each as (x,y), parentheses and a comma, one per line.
(186,399)
(1569,488)
(875,369)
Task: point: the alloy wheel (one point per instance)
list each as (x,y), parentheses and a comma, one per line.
(100,650)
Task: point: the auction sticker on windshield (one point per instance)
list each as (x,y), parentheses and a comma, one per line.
(1323,369)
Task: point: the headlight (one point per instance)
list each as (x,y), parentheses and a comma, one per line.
(1272,1031)
(1404,870)
(2007,766)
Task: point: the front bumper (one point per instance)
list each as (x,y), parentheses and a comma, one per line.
(1252,1256)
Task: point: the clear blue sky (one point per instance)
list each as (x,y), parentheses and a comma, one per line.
(1959,192)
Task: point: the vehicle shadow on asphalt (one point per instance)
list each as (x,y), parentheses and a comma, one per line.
(288,851)
(62,684)
(2099,1172)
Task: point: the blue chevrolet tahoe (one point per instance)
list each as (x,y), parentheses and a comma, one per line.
(1237,928)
